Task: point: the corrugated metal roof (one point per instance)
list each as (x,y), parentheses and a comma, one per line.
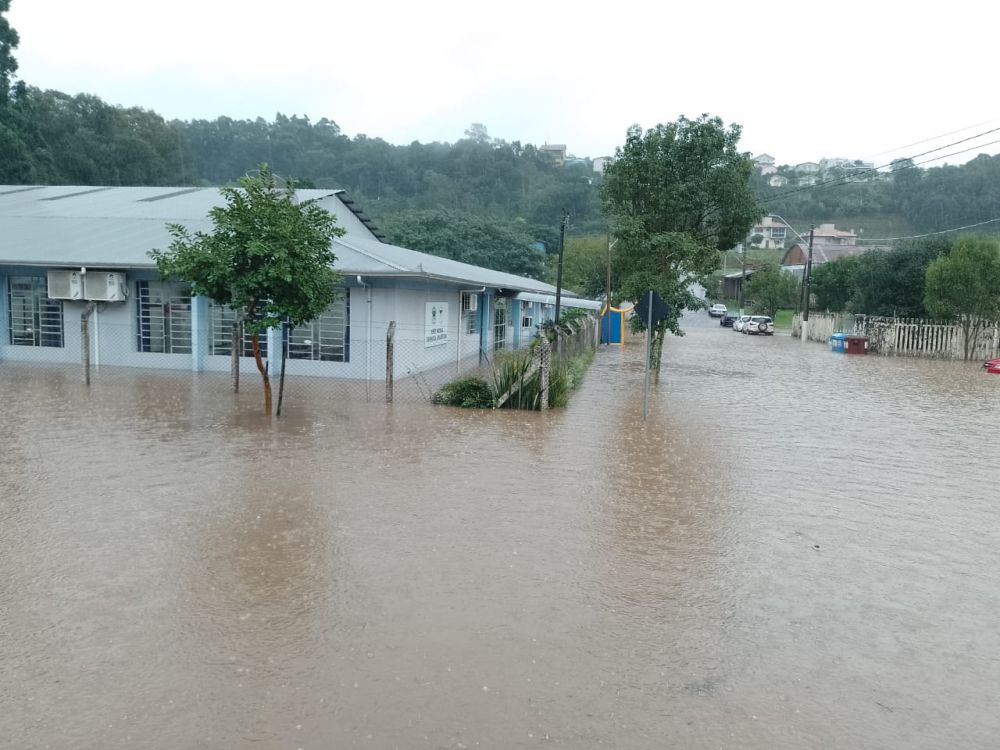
(117,227)
(567,301)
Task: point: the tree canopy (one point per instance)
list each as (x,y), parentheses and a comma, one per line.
(965,285)
(497,244)
(676,194)
(880,282)
(269,257)
(771,289)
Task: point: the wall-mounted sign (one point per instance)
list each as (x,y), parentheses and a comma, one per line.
(435,323)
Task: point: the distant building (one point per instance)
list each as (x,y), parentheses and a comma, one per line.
(556,151)
(601,162)
(795,258)
(834,163)
(828,234)
(765,163)
(808,167)
(778,181)
(772,232)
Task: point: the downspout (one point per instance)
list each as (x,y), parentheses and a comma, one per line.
(368,348)
(458,357)
(97,336)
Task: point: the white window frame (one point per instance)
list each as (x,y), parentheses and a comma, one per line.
(33,319)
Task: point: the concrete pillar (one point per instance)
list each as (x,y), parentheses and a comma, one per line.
(199,333)
(274,350)
(4,325)
(515,319)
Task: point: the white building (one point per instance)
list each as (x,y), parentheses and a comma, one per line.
(63,246)
(771,231)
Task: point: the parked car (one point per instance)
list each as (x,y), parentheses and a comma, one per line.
(727,320)
(740,322)
(992,365)
(759,324)
(717,311)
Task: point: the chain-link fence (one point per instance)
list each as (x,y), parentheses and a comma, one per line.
(328,359)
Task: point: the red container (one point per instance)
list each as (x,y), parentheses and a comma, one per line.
(855,345)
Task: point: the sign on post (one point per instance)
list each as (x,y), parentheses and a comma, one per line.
(653,310)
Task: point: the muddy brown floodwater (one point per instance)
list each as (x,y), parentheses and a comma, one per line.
(797,550)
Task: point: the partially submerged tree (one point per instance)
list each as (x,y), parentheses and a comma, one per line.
(269,258)
(772,289)
(676,194)
(965,285)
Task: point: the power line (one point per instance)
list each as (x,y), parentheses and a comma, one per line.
(934,138)
(835,181)
(931,234)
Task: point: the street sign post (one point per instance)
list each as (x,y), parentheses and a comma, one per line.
(654,310)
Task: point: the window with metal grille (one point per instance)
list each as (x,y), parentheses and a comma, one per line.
(164,310)
(328,337)
(471,321)
(35,320)
(500,325)
(527,315)
(220,333)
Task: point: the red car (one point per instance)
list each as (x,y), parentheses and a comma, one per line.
(992,365)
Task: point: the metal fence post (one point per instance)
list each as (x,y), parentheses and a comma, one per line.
(390,345)
(237,349)
(85,342)
(544,359)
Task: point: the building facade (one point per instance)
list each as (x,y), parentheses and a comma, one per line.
(74,253)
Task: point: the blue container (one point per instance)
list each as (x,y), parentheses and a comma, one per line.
(837,342)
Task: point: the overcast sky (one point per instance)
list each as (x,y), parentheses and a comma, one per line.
(805,80)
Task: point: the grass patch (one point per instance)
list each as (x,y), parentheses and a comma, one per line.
(783,318)
(510,376)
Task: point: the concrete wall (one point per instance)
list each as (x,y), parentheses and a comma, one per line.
(114,333)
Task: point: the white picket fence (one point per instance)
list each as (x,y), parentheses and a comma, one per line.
(904,337)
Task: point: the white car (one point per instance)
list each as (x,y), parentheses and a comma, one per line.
(717,311)
(761,324)
(740,322)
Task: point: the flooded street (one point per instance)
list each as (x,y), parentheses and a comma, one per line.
(797,550)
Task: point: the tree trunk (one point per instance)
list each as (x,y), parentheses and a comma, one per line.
(659,333)
(263,373)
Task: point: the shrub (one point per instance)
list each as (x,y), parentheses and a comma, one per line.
(469,393)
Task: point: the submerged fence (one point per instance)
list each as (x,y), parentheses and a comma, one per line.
(907,337)
(377,362)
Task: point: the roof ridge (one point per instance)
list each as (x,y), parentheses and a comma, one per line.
(369,254)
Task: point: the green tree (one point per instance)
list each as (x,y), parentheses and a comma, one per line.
(676,195)
(8,43)
(834,283)
(491,243)
(964,285)
(772,289)
(268,257)
(585,265)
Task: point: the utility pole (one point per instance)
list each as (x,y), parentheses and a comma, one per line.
(807,284)
(743,278)
(559,267)
(607,297)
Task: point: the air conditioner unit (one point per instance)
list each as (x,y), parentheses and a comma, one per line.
(65,284)
(470,302)
(104,286)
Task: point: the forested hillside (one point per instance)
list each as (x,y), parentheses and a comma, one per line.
(50,137)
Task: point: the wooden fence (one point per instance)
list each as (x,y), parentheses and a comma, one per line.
(904,337)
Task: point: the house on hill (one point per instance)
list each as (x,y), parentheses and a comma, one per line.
(772,231)
(555,151)
(63,248)
(795,258)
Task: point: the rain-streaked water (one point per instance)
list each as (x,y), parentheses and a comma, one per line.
(797,550)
